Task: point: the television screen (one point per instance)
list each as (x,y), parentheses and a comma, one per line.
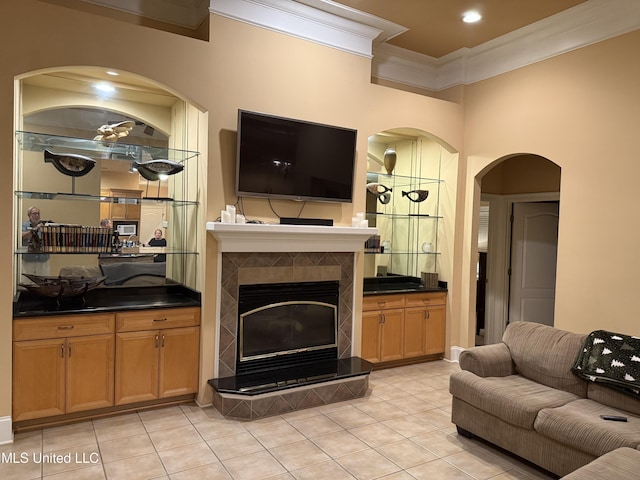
(286,158)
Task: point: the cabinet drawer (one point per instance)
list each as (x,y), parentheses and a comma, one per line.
(156,319)
(379,302)
(426,298)
(63,326)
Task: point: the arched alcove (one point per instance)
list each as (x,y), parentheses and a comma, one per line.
(63,110)
(407,198)
(509,185)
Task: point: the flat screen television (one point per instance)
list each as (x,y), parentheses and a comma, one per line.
(294,159)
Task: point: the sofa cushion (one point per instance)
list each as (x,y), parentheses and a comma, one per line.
(546,355)
(579,424)
(620,464)
(613,398)
(514,399)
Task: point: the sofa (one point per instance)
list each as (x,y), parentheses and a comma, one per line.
(522,395)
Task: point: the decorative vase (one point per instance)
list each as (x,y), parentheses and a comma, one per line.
(389,160)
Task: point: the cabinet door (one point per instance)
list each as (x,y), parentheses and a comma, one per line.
(90,371)
(38,378)
(179,358)
(392,335)
(436,324)
(415,332)
(371,330)
(136,366)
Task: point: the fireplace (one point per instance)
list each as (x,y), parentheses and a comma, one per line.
(286,325)
(258,379)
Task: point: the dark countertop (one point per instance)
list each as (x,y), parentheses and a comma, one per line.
(106,299)
(397,284)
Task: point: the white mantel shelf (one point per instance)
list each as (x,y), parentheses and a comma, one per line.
(252,237)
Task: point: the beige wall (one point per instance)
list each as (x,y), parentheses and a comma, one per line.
(241,67)
(522,174)
(579,110)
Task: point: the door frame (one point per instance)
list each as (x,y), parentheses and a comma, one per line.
(499,258)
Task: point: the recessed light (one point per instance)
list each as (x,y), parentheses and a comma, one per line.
(112,73)
(104,87)
(471,17)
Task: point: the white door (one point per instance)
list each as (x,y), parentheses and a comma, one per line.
(534,251)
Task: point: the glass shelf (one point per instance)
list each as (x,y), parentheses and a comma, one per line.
(401,180)
(132,253)
(407,216)
(38,142)
(402,253)
(100,198)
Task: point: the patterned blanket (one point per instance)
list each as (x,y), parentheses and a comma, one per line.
(612,359)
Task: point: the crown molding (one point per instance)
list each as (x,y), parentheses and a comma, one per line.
(329,23)
(183,13)
(585,24)
(319,21)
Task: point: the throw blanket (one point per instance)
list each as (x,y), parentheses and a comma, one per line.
(612,359)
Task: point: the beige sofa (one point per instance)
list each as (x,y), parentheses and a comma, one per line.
(522,396)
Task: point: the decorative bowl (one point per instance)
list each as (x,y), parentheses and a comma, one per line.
(60,286)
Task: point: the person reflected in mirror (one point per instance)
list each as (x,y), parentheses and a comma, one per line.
(106,223)
(158,241)
(34,263)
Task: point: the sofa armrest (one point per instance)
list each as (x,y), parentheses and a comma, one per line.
(488,361)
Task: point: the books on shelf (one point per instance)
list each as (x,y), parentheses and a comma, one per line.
(372,244)
(66,238)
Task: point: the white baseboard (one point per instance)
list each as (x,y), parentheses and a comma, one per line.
(6,430)
(454,353)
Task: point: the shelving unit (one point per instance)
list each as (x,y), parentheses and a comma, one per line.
(81,201)
(408,229)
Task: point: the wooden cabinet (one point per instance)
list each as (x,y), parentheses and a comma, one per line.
(425,320)
(62,365)
(383,329)
(157,354)
(126,204)
(403,326)
(95,362)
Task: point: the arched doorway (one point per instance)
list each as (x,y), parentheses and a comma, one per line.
(528,186)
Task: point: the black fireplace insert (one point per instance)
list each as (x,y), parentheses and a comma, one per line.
(286,325)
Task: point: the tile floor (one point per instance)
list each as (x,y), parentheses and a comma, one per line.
(400,431)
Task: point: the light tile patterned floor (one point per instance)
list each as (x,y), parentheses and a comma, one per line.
(400,431)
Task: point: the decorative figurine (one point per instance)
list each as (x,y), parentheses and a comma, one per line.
(390,158)
(416,196)
(382,192)
(114,131)
(378,188)
(70,163)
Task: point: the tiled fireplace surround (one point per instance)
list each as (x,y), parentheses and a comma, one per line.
(264,267)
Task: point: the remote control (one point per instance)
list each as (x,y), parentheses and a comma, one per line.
(614,418)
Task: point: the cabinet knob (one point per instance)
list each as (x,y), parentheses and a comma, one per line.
(62,350)
(382,304)
(157,341)
(426,314)
(383,319)
(65,327)
(163,341)
(160,319)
